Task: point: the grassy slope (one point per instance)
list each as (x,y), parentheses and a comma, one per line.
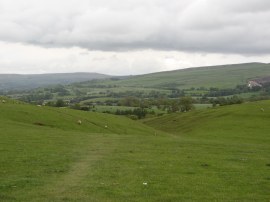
(231,143)
(216,76)
(198,160)
(46,163)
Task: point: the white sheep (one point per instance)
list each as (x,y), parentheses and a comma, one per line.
(79,122)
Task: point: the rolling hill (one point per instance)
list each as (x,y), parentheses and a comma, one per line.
(31,81)
(223,76)
(214,81)
(195,82)
(219,154)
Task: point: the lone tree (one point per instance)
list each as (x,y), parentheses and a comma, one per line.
(60,103)
(186,104)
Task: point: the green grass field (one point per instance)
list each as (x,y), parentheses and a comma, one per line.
(220,154)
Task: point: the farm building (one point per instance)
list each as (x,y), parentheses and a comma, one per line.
(252,84)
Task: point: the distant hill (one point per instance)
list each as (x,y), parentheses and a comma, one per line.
(30,81)
(222,76)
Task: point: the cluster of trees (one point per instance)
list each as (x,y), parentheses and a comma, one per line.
(36,97)
(266,90)
(81,107)
(138,94)
(216,92)
(176,93)
(58,103)
(59,90)
(227,101)
(40,95)
(183,104)
(171,105)
(153,94)
(142,106)
(137,113)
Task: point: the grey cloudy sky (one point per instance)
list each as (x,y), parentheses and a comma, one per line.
(130,36)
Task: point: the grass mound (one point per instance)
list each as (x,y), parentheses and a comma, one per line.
(15,113)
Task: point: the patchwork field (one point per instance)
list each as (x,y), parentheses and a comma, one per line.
(220,154)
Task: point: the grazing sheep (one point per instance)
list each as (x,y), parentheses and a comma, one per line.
(106,126)
(79,122)
(3,101)
(262,109)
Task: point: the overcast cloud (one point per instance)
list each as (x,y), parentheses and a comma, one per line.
(130,36)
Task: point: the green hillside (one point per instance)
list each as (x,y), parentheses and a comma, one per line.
(208,155)
(223,76)
(66,119)
(216,76)
(231,143)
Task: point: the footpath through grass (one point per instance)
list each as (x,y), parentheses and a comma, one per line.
(209,155)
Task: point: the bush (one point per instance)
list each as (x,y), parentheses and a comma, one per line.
(60,103)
